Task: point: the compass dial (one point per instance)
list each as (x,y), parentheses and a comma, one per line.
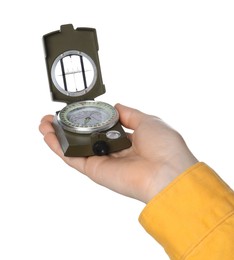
(87,117)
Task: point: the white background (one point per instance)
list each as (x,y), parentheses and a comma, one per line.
(173,59)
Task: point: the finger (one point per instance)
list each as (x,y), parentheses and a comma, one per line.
(46,124)
(52,141)
(48,118)
(130,117)
(46,128)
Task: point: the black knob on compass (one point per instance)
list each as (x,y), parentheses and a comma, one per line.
(100,148)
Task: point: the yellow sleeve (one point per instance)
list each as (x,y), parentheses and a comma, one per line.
(193,217)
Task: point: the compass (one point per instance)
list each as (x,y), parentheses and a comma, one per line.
(84,127)
(86,117)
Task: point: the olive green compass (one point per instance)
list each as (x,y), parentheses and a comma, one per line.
(84,127)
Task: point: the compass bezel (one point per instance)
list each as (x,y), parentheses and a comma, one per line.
(102,125)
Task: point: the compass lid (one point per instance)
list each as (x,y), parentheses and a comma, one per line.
(72,63)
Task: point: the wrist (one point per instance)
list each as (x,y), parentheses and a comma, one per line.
(167,173)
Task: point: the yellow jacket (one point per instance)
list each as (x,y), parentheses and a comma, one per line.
(193,218)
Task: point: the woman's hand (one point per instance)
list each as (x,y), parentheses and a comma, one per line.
(157,156)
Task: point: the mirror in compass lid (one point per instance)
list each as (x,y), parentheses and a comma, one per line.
(72,62)
(74,73)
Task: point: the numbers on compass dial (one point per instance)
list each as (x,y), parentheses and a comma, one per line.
(87,116)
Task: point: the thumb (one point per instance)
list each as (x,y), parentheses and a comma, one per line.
(130,117)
